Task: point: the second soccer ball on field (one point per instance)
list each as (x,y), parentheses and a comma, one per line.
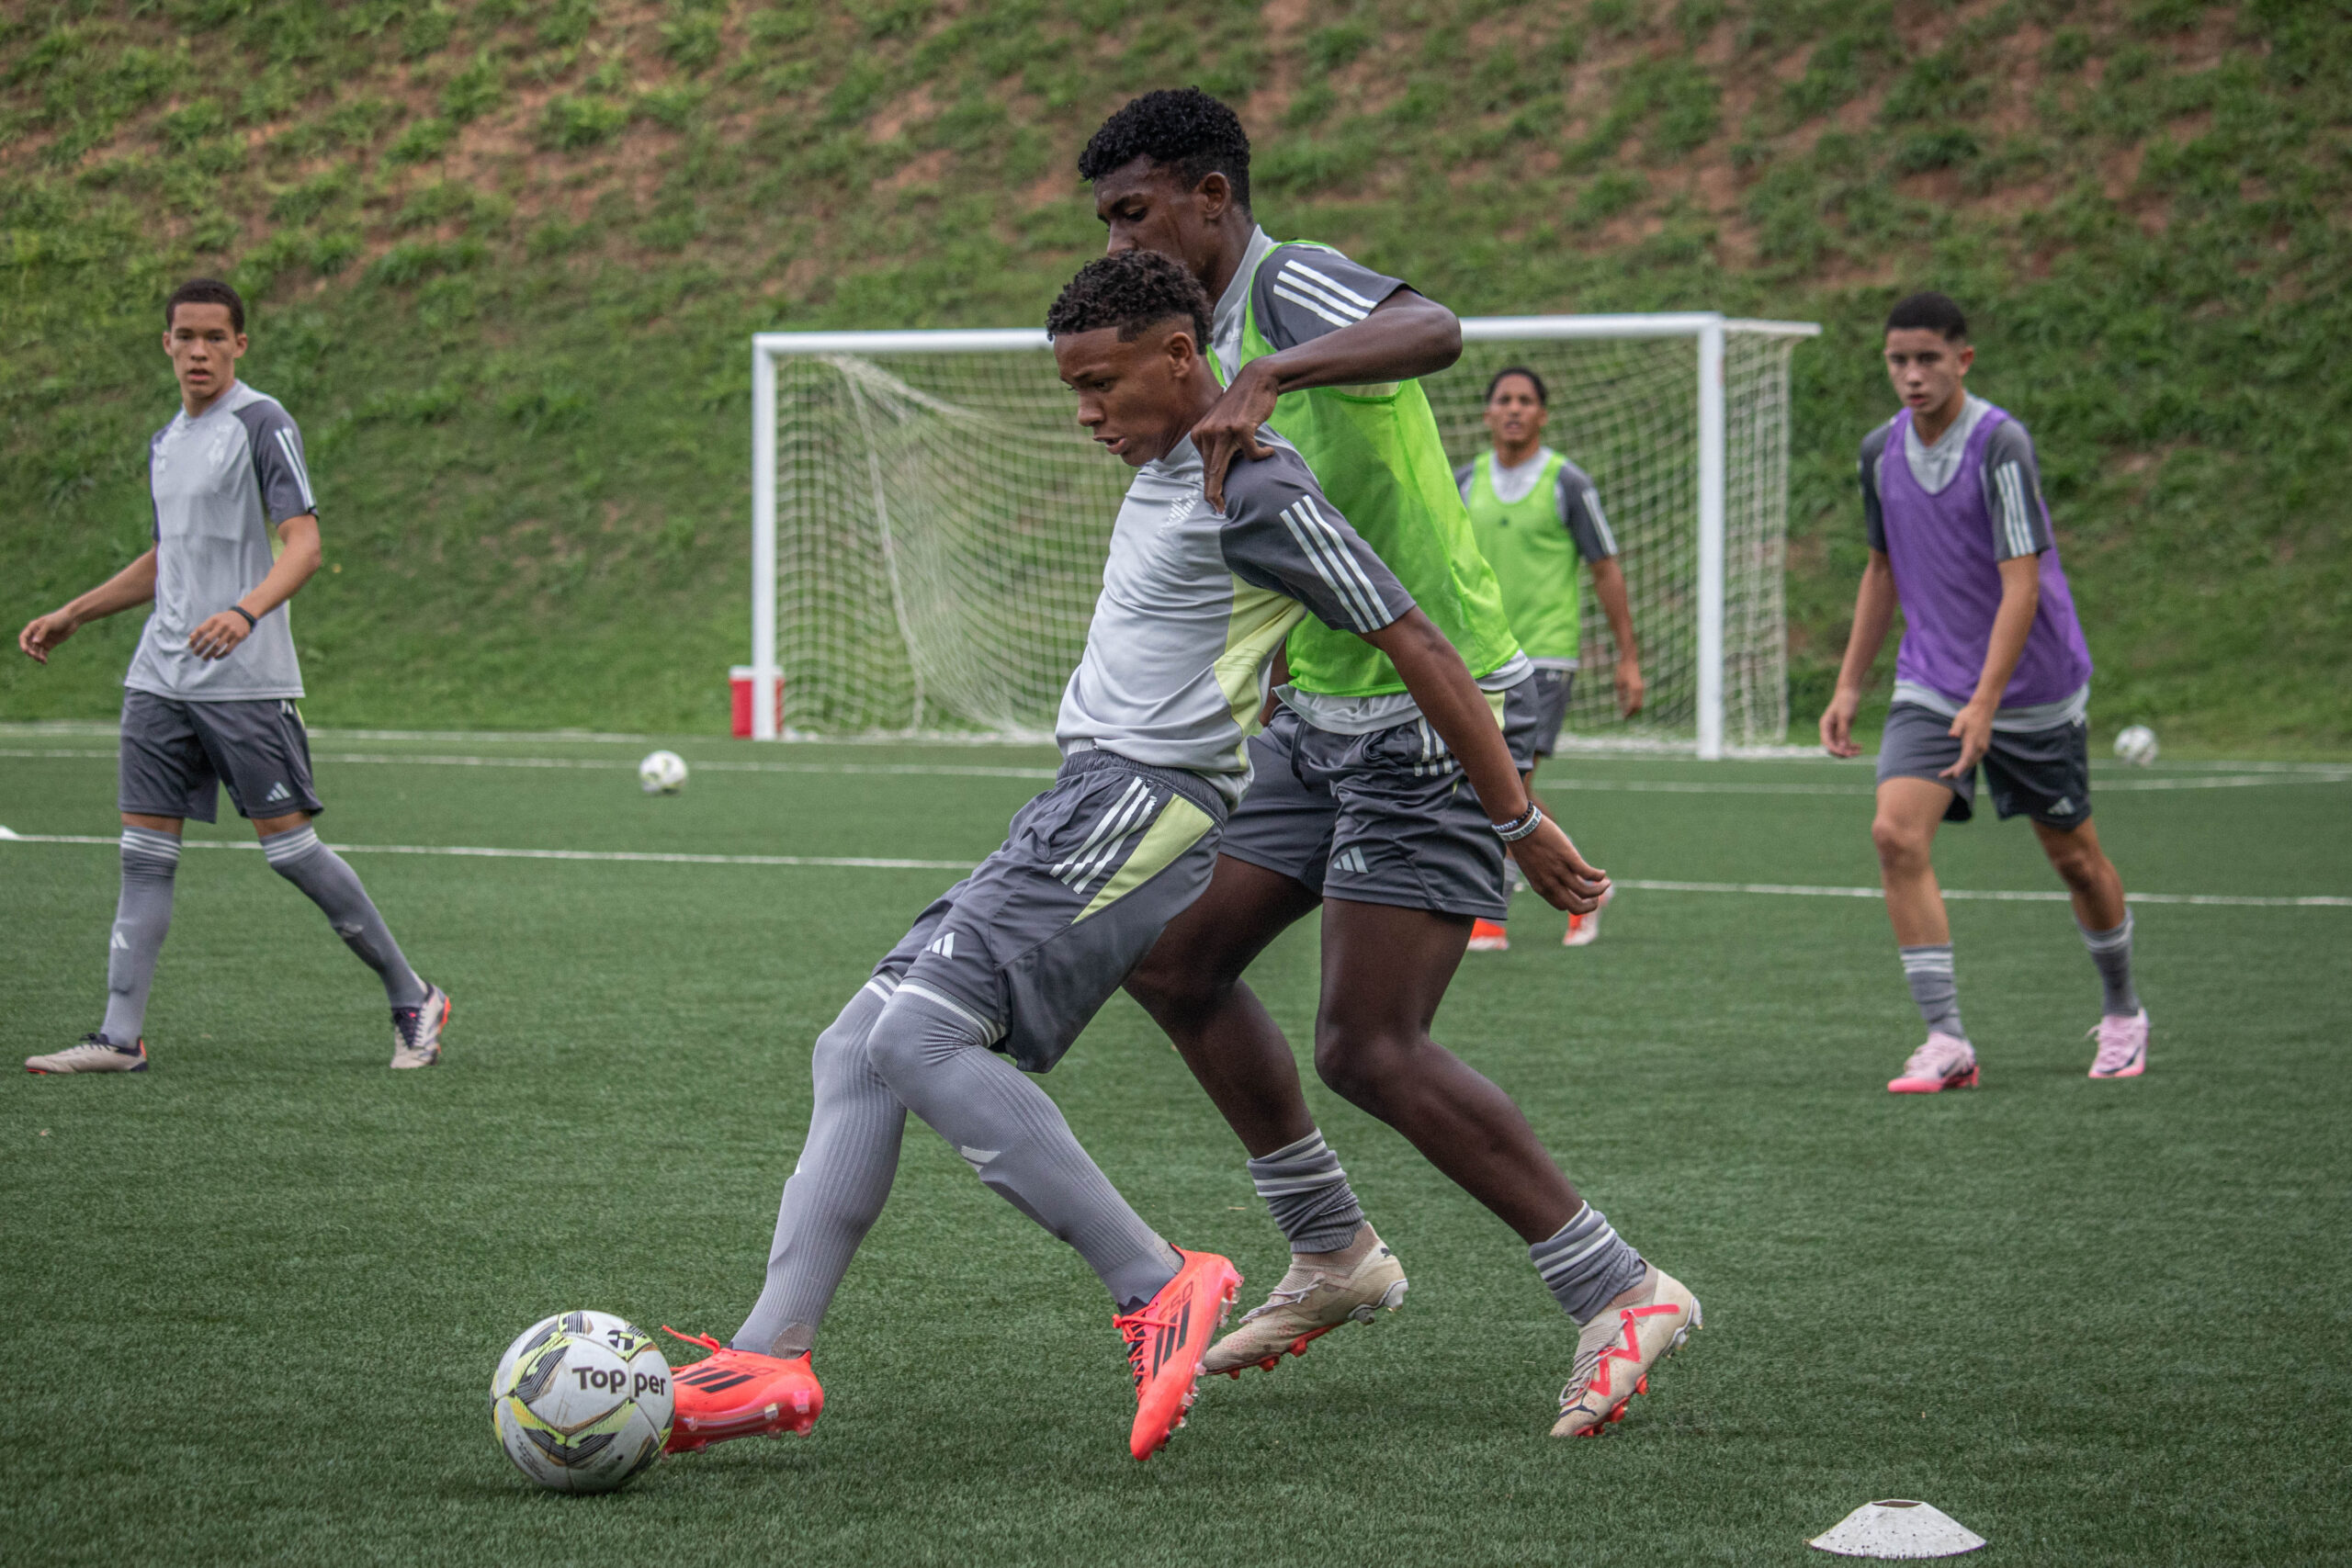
(662,772)
(2136,744)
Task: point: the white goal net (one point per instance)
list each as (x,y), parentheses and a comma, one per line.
(930,522)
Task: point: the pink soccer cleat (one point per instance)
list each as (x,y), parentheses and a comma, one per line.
(2122,1046)
(1944,1062)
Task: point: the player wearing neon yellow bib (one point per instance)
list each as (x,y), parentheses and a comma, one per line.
(1536,514)
(1357,810)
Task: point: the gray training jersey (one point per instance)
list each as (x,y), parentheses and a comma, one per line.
(218,482)
(1195,603)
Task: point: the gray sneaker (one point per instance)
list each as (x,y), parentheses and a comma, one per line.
(96,1054)
(416,1032)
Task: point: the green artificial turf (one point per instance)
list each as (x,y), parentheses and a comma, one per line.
(259,1290)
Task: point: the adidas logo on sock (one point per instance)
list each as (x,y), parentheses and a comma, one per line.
(279,792)
(942,944)
(119,940)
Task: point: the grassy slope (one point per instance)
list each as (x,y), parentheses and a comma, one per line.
(2102,1324)
(507,256)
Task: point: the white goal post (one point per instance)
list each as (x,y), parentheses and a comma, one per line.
(929,522)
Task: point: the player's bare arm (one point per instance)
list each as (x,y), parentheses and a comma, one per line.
(218,636)
(132,586)
(2021,597)
(1874,616)
(1455,707)
(1404,337)
(1609,587)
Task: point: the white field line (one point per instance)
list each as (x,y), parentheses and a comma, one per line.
(600,764)
(1773,889)
(865,863)
(2315,774)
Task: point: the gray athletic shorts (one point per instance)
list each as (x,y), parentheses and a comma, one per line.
(1552,688)
(1030,946)
(175,756)
(1379,818)
(2042,773)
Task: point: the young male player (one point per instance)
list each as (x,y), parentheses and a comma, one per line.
(1015,959)
(1357,807)
(1992,668)
(210,697)
(1536,515)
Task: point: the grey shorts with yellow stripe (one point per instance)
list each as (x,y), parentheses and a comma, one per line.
(1030,946)
(1379,818)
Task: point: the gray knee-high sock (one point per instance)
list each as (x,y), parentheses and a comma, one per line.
(300,859)
(142,917)
(1309,1195)
(837,1190)
(1928,969)
(1013,1136)
(2111,950)
(1586,1265)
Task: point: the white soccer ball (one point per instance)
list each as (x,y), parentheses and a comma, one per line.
(2136,744)
(581,1402)
(662,772)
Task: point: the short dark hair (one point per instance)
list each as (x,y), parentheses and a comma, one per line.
(1131,291)
(1180,127)
(1933,311)
(1543,393)
(206,292)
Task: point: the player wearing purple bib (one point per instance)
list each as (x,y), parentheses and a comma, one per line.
(1992,668)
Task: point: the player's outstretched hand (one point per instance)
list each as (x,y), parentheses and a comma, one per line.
(1552,868)
(43,633)
(1230,427)
(1837,725)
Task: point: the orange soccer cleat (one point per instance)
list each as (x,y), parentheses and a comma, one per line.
(1165,1342)
(739,1394)
(1489,936)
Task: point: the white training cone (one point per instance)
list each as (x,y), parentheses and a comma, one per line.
(1898,1527)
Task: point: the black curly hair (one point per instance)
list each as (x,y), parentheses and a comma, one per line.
(1132,290)
(1182,127)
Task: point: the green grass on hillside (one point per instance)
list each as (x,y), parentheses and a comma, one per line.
(507,258)
(2102,1324)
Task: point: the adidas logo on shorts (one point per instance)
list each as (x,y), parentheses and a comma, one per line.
(1350,859)
(278,792)
(944,944)
(2065,807)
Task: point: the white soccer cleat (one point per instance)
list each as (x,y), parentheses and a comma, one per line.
(2122,1046)
(96,1054)
(1617,1352)
(416,1032)
(1308,1303)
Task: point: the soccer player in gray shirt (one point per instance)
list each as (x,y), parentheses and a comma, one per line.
(210,696)
(1006,967)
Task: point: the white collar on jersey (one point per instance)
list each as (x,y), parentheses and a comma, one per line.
(1936,466)
(1513,484)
